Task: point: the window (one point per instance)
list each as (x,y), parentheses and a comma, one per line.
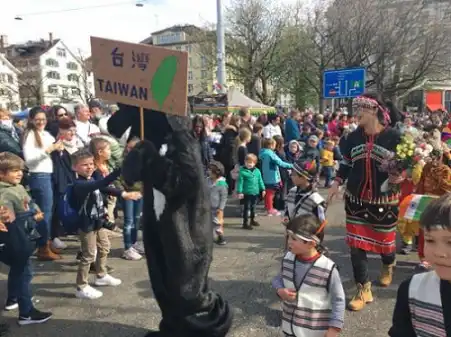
(10,79)
(203,61)
(190,88)
(178,48)
(72,78)
(2,92)
(72,66)
(75,91)
(52,89)
(188,48)
(190,75)
(190,62)
(203,74)
(51,63)
(65,91)
(61,52)
(54,75)
(204,86)
(448,100)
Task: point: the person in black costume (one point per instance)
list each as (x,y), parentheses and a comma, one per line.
(177,225)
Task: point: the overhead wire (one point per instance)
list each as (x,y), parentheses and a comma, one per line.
(137,3)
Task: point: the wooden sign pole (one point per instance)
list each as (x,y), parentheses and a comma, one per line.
(141,122)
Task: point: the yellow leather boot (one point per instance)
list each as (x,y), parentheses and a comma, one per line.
(386,277)
(362,297)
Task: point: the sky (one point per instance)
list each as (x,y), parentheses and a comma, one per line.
(114,19)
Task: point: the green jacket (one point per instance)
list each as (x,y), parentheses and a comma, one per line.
(136,187)
(15,197)
(250,181)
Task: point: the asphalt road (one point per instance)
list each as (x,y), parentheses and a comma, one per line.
(241,272)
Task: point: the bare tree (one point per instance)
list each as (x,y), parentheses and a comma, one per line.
(254,32)
(310,50)
(84,89)
(399,43)
(30,81)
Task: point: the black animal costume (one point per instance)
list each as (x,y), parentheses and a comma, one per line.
(177,225)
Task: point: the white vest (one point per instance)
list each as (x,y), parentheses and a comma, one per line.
(309,315)
(425,305)
(305,205)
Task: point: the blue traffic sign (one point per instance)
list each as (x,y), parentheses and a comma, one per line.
(344,83)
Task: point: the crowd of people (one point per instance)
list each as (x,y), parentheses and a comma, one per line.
(60,161)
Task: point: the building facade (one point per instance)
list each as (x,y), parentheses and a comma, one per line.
(9,85)
(49,73)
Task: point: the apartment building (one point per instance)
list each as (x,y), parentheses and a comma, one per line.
(50,73)
(9,85)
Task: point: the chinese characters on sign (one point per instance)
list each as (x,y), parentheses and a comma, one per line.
(140,60)
(118,58)
(140,75)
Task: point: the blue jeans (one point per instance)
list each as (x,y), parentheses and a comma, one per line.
(329,172)
(19,286)
(132,214)
(42,193)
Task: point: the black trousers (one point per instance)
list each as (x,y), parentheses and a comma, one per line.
(359,261)
(249,203)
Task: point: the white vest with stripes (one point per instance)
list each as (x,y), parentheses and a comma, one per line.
(309,315)
(305,205)
(425,305)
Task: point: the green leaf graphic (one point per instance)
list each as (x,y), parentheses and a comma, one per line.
(163,79)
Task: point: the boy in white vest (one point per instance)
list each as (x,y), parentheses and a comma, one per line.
(309,283)
(423,304)
(303,198)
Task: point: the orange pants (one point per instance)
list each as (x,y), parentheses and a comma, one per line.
(421,245)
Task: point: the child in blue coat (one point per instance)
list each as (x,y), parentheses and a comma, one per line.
(270,164)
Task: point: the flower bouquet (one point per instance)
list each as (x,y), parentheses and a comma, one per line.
(410,154)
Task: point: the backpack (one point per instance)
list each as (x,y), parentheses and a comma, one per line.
(70,217)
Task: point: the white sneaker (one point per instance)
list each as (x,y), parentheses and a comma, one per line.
(89,293)
(58,244)
(132,255)
(107,280)
(139,247)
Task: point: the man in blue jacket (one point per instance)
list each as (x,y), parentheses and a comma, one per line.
(292,131)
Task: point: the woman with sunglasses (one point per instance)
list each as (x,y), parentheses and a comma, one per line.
(53,117)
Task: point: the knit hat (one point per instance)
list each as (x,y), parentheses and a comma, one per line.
(305,169)
(313,138)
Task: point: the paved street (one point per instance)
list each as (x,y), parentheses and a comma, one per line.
(241,272)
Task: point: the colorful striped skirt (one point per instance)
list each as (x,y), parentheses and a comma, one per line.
(371,227)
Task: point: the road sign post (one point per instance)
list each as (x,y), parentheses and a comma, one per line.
(344,83)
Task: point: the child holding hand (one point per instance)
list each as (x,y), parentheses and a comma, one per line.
(249,187)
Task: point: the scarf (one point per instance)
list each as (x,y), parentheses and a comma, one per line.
(12,131)
(70,146)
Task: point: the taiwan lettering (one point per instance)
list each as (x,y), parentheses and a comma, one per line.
(123,89)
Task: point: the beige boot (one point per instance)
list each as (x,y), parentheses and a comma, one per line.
(362,297)
(386,277)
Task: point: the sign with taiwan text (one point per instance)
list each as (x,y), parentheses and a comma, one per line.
(140,75)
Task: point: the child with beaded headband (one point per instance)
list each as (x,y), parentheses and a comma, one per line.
(309,283)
